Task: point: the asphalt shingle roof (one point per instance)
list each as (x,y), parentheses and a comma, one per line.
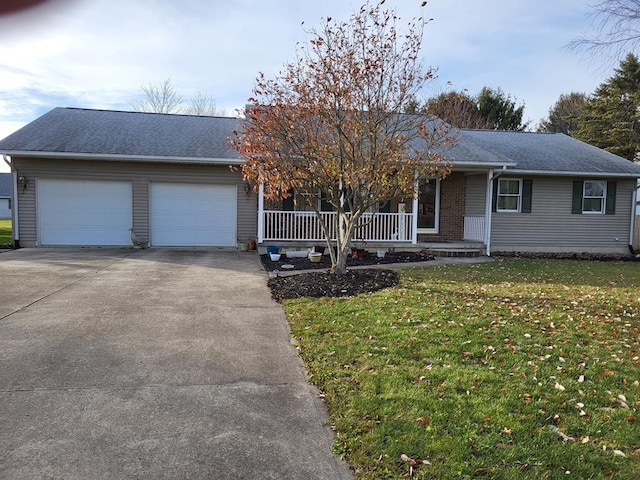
(5,184)
(549,152)
(107,132)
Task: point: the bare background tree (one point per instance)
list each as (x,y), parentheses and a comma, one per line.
(618,27)
(165,98)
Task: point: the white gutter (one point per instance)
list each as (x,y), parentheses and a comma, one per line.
(14,202)
(120,157)
(634,201)
(573,174)
(489,207)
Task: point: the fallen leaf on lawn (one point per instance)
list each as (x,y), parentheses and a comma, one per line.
(619,453)
(562,435)
(559,387)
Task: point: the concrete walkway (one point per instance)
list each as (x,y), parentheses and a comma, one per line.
(159,364)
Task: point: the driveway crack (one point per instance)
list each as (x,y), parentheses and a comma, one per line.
(92,274)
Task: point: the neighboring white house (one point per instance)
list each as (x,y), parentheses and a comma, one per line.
(5,195)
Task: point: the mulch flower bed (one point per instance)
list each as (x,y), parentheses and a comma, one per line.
(325,284)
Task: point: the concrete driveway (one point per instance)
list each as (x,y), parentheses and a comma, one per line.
(173,364)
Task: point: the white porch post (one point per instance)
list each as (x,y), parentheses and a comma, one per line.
(414,214)
(260,213)
(488,210)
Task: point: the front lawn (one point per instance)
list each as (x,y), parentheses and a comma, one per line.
(5,231)
(513,369)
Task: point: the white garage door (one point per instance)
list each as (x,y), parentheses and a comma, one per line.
(188,215)
(78,212)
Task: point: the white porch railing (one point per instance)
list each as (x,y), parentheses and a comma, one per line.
(474,227)
(305,226)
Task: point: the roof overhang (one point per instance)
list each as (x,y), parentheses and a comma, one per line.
(573,174)
(487,165)
(125,158)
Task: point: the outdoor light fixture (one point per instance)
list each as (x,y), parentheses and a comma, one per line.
(22,181)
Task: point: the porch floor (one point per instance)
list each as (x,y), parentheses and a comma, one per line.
(460,248)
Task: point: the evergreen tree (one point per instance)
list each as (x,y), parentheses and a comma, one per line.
(489,110)
(612,116)
(565,114)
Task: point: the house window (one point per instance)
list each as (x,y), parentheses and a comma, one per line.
(594,197)
(429,205)
(509,195)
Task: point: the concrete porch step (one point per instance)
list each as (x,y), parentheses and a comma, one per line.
(455,252)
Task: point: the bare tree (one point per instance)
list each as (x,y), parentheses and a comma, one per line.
(618,28)
(203,104)
(164,98)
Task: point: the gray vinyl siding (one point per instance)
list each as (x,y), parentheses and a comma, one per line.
(476,193)
(140,174)
(552,227)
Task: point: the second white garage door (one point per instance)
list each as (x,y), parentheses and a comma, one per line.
(188,215)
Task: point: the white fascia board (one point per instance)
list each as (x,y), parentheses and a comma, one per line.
(548,173)
(121,158)
(485,165)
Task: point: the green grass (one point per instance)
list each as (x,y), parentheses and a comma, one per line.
(5,232)
(483,370)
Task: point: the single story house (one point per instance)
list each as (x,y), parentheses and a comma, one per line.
(87,177)
(5,195)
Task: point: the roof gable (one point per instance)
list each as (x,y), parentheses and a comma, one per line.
(129,134)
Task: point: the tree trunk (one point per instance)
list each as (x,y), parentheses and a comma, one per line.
(343,243)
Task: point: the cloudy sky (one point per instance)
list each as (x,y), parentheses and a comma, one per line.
(98,53)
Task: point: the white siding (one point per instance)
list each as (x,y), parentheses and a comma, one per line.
(476,191)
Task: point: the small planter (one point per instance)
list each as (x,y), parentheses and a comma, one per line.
(380,253)
(297,253)
(275,257)
(273,249)
(315,257)
(357,253)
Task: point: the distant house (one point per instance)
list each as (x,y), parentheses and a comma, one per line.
(5,195)
(91,175)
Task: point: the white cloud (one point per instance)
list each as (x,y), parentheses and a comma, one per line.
(97,54)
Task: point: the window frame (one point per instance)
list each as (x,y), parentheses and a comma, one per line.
(509,195)
(603,197)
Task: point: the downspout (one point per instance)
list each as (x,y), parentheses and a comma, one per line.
(634,199)
(491,176)
(414,213)
(14,203)
(260,213)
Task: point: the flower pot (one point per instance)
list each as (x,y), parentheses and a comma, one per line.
(273,248)
(315,257)
(252,244)
(357,253)
(380,253)
(275,257)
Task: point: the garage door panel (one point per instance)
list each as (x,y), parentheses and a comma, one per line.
(77,212)
(193,215)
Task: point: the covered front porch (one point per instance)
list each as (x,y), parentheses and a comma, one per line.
(435,218)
